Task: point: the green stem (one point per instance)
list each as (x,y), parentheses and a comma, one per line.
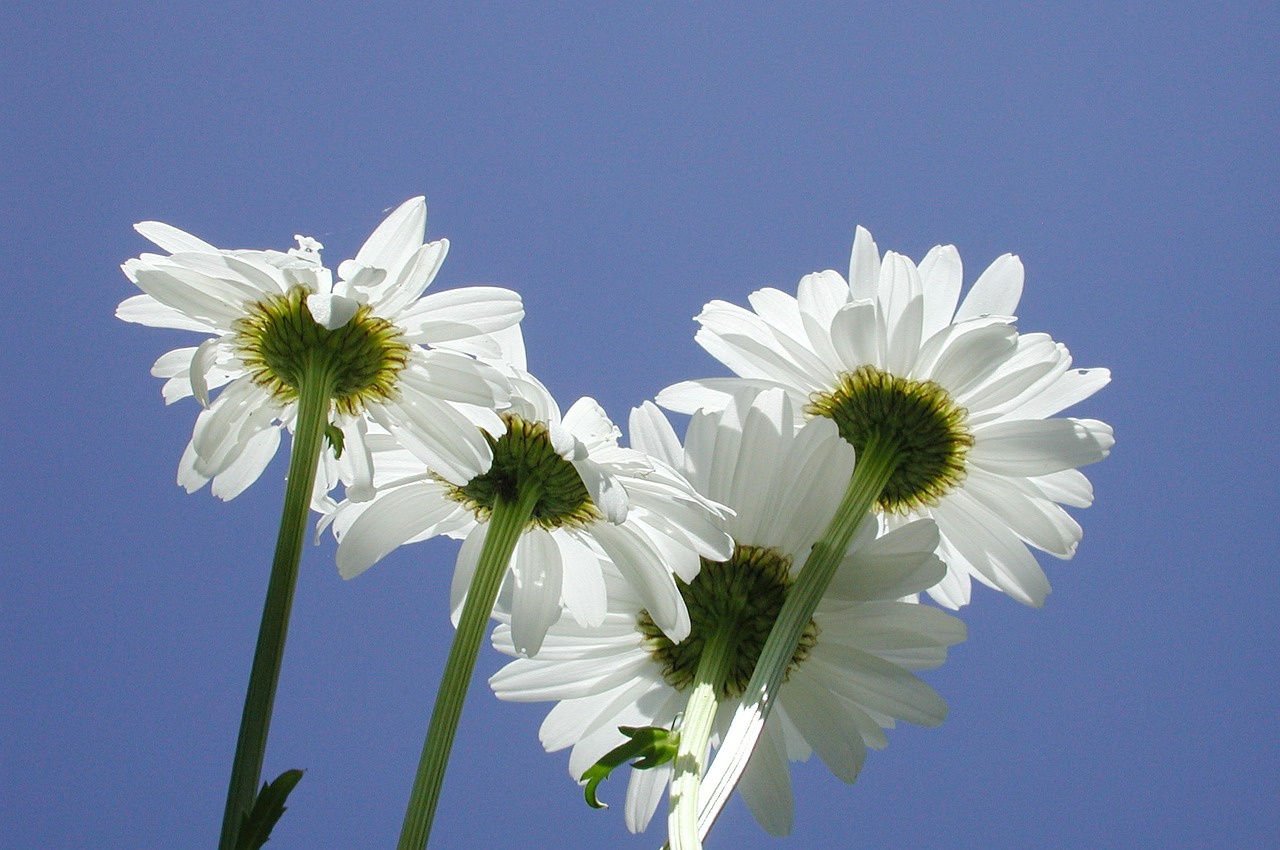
(875,464)
(718,652)
(308,438)
(506,523)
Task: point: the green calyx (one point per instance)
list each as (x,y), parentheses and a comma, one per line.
(926,428)
(743,594)
(524,457)
(279,341)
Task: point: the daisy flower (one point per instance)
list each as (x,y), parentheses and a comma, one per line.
(558,504)
(963,401)
(598,504)
(849,678)
(382,352)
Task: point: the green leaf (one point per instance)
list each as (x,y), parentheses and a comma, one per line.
(334,435)
(650,746)
(256,825)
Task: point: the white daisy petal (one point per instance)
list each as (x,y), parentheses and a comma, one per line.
(188,478)
(565,680)
(606,491)
(241,410)
(896,564)
(644,793)
(1074,386)
(459,313)
(437,433)
(820,297)
(258,451)
(1069,487)
(171,239)
(331,311)
(584,590)
(587,421)
(876,684)
(820,464)
(864,266)
(145,310)
(996,292)
(915,637)
(538,576)
(416,275)
(571,719)
(1024,509)
(651,433)
(394,242)
(635,557)
(823,721)
(973,356)
(901,303)
(201,297)
(202,362)
(992,552)
(941,275)
(387,523)
(464,569)
(854,333)
(766,784)
(710,394)
(1032,447)
(455,378)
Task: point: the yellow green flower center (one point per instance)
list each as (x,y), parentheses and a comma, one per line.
(744,594)
(279,342)
(925,428)
(524,457)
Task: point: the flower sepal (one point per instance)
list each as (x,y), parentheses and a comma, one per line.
(650,746)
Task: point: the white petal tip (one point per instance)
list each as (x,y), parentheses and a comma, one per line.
(331,311)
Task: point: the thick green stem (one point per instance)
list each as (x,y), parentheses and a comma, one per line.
(506,523)
(718,652)
(308,438)
(876,462)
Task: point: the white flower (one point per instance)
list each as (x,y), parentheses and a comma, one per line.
(268,311)
(889,353)
(850,677)
(602,505)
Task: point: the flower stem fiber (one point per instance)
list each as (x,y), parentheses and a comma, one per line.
(506,523)
(314,391)
(695,735)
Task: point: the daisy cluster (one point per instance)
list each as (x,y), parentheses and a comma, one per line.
(639,573)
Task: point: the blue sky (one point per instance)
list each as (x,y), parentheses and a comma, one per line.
(620,167)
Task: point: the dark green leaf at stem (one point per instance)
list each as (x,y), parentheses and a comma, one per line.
(256,825)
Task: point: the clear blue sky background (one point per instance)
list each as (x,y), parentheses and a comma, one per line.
(621,166)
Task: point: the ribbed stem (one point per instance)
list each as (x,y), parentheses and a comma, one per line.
(505,525)
(718,652)
(314,391)
(875,464)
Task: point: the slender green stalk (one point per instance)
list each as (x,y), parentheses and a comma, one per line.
(506,523)
(314,391)
(876,462)
(718,652)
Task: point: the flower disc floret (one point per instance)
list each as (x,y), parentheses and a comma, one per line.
(522,457)
(919,420)
(744,594)
(278,340)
